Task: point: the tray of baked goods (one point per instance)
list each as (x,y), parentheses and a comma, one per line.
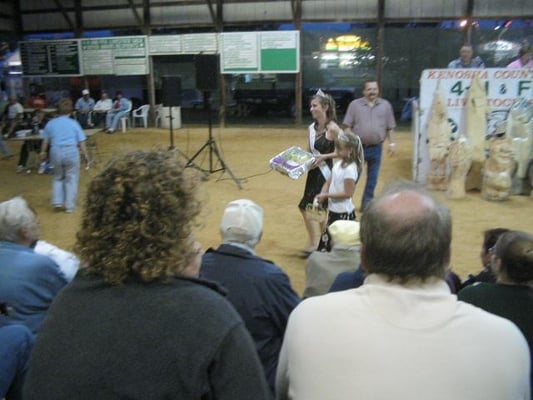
(293,162)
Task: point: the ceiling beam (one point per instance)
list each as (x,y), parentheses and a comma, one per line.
(147,17)
(65,15)
(136,14)
(469,14)
(79,18)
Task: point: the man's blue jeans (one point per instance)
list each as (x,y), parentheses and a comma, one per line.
(373,163)
(16,342)
(66,162)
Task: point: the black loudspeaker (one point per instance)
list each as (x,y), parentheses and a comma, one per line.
(171,91)
(206,72)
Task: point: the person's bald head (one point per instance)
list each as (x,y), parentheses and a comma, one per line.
(406,234)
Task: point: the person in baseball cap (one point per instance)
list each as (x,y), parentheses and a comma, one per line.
(259,290)
(242,222)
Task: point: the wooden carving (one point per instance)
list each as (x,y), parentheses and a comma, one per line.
(460,159)
(438,133)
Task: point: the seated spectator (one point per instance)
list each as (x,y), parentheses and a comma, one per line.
(13,118)
(36,125)
(511,297)
(100,109)
(453,280)
(348,280)
(136,322)
(4,149)
(401,335)
(16,342)
(28,281)
(524,59)
(466,59)
(121,108)
(38,101)
(68,263)
(490,237)
(322,267)
(83,108)
(352,280)
(258,289)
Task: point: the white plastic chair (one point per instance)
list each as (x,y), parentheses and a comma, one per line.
(125,120)
(158,114)
(141,113)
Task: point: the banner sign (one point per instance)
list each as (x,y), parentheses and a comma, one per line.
(502,86)
(260,52)
(50,58)
(126,55)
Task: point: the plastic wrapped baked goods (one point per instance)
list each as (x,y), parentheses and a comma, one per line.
(293,162)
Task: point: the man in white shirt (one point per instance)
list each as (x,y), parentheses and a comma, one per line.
(401,335)
(101,108)
(14,116)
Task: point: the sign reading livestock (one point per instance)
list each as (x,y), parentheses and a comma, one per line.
(480,106)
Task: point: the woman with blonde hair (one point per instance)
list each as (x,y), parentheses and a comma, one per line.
(322,135)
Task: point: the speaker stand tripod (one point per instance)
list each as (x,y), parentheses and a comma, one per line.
(212,146)
(171,132)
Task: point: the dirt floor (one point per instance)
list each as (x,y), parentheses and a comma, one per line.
(247,152)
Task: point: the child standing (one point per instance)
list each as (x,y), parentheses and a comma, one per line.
(340,186)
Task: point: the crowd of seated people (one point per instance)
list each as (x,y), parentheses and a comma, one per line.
(14,118)
(227,324)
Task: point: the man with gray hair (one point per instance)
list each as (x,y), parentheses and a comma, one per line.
(258,289)
(402,334)
(28,281)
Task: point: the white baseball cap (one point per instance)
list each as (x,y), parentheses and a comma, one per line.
(242,222)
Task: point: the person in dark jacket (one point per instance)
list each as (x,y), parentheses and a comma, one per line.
(511,296)
(136,323)
(258,289)
(490,237)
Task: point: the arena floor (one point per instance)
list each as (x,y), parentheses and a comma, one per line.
(247,151)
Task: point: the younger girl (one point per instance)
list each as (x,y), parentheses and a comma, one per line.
(340,186)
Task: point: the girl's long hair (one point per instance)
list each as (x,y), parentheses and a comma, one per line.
(356,155)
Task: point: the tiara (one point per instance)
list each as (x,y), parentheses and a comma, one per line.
(320,93)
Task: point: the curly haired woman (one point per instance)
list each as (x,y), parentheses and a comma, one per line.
(136,322)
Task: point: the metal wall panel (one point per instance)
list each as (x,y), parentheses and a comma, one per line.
(261,11)
(6,24)
(423,9)
(34,5)
(339,10)
(180,15)
(503,8)
(110,18)
(6,8)
(45,22)
(100,3)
